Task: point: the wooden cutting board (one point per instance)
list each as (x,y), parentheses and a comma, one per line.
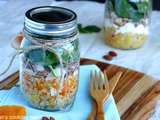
(136,93)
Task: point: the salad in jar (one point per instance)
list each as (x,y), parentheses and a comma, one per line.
(126,23)
(49,59)
(42,82)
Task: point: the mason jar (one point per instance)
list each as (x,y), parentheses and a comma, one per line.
(49,65)
(126,23)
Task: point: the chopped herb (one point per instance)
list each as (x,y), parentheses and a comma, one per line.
(88,29)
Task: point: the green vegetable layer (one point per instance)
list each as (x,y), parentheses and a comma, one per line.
(131,10)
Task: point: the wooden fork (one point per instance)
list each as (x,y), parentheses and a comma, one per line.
(99,90)
(112,84)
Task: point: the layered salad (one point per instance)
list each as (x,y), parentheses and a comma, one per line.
(46,83)
(127,23)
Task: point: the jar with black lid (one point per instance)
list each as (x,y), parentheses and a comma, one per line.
(49,67)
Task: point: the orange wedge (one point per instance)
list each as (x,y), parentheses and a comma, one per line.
(12,112)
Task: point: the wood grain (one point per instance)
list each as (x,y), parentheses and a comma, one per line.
(136,93)
(10,81)
(143,105)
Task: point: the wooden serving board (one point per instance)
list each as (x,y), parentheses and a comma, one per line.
(136,93)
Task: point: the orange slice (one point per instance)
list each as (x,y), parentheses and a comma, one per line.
(12,112)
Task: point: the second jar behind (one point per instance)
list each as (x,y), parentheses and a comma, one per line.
(126,23)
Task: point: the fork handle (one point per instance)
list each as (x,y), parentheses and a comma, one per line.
(92,115)
(100,116)
(100,112)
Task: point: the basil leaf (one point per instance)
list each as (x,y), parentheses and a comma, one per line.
(92,28)
(88,29)
(143,7)
(40,56)
(134,11)
(135,16)
(121,8)
(50,58)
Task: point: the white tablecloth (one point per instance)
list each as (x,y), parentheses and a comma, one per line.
(145,59)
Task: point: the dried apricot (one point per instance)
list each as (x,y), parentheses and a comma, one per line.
(20,38)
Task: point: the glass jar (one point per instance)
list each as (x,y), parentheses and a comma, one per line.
(126,23)
(49,65)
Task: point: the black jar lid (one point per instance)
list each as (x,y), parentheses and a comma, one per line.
(51,21)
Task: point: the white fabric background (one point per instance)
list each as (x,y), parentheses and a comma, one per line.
(145,59)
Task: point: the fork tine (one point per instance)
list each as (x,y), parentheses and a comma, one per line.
(106,81)
(96,80)
(91,83)
(101,81)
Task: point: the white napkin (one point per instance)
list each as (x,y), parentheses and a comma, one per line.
(81,107)
(6,54)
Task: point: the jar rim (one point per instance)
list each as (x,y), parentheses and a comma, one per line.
(50,20)
(30,14)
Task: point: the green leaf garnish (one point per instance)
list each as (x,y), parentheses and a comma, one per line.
(88,29)
(40,56)
(50,58)
(130,10)
(143,7)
